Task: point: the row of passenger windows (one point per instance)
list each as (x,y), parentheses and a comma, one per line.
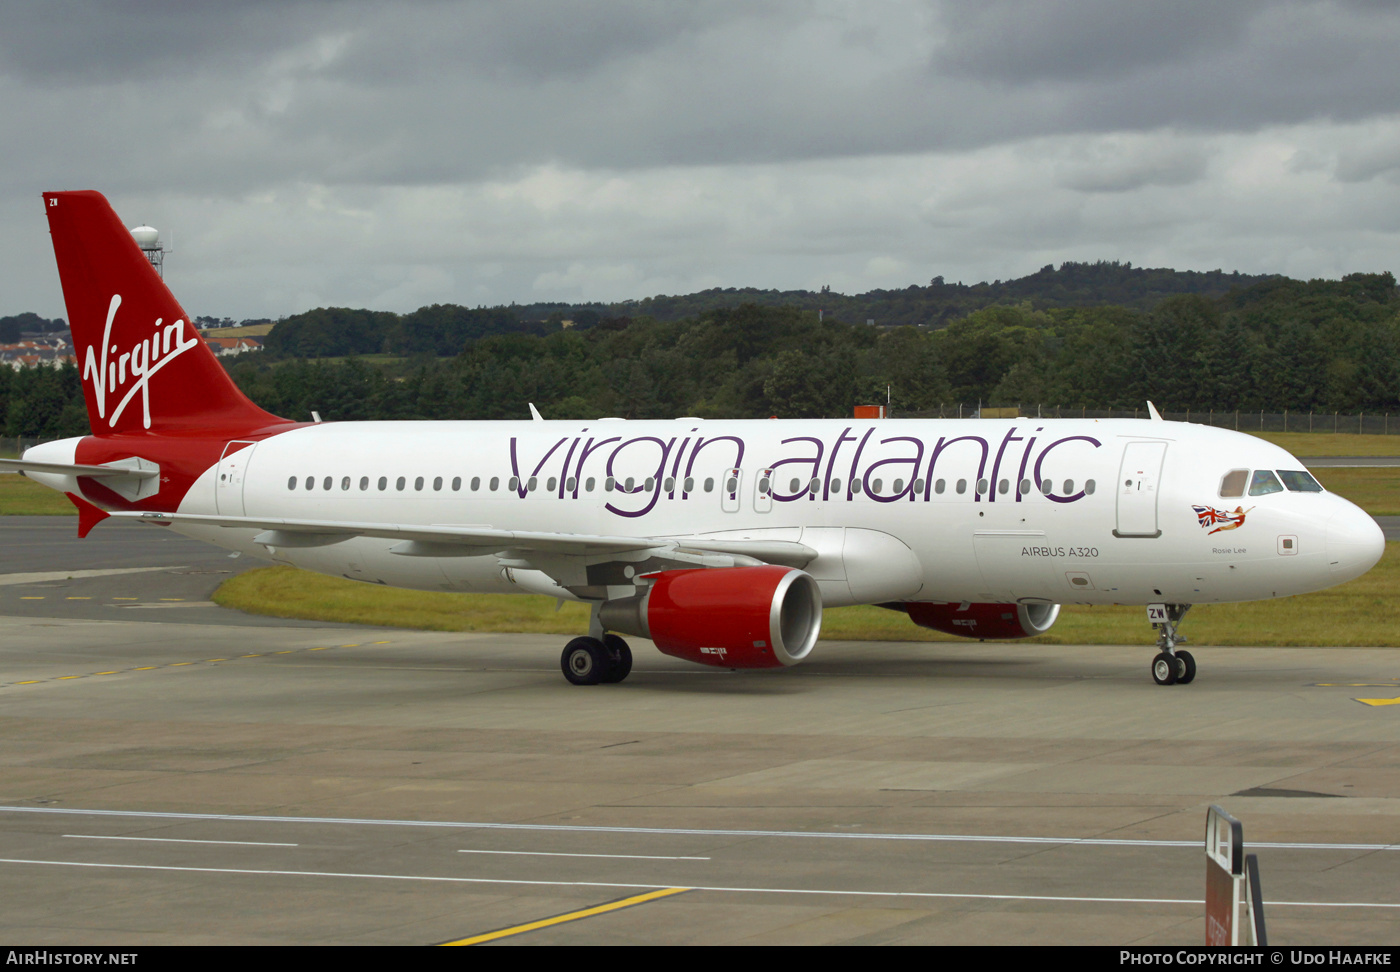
(940,486)
(493,484)
(1264,482)
(629,485)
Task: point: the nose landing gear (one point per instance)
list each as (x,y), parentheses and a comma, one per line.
(1172,666)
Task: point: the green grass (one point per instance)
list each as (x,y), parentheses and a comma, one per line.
(1334,444)
(20,496)
(1377,491)
(1362,612)
(286,592)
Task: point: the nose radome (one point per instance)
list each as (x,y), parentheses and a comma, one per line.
(1355,543)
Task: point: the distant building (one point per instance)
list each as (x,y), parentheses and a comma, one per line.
(35,354)
(226,346)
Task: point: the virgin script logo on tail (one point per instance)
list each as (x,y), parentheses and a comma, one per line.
(112,371)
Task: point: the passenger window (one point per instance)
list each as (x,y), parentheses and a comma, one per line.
(514,484)
(456,483)
(689,484)
(530,484)
(608,484)
(1047,487)
(476,483)
(962,486)
(1263,483)
(918,485)
(495,483)
(856,485)
(1299,481)
(399,483)
(326,483)
(940,485)
(310,482)
(670,484)
(898,486)
(292,483)
(628,486)
(794,486)
(553,482)
(418,483)
(345,483)
(364,483)
(1069,487)
(1025,486)
(437,483)
(836,485)
(1003,486)
(1232,483)
(814,486)
(383,483)
(709,484)
(571,484)
(982,485)
(589,484)
(1089,487)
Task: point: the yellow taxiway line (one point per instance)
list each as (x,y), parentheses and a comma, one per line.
(571,916)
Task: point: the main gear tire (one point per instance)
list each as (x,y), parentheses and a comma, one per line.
(619,658)
(585,661)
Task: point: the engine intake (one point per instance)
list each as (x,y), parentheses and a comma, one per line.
(983,620)
(729,617)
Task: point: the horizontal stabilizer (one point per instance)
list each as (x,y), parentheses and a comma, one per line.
(75,469)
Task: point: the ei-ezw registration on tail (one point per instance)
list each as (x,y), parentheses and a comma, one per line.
(721,541)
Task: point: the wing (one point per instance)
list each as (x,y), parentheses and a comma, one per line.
(579,562)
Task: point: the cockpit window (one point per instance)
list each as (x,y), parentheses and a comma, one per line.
(1264,483)
(1233,482)
(1299,481)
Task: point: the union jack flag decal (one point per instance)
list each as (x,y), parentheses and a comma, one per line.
(1208,516)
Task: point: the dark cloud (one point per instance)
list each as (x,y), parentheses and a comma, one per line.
(802,128)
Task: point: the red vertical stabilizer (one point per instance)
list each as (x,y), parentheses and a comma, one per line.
(144,367)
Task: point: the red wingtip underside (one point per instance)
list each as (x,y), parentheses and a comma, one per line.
(88,515)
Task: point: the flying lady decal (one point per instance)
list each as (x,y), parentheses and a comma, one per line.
(1220,519)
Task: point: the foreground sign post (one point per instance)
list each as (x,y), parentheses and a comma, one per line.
(1234,906)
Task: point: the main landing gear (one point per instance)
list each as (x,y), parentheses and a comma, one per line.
(1172,666)
(594,661)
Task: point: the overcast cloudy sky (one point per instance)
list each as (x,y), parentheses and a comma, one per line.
(392,154)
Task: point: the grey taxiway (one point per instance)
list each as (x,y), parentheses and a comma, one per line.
(177,773)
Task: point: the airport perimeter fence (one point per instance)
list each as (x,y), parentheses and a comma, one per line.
(12,447)
(1364,423)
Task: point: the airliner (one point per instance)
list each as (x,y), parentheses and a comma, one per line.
(720,541)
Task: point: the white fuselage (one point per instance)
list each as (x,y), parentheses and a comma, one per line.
(1063,511)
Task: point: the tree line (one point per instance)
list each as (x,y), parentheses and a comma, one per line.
(1277,344)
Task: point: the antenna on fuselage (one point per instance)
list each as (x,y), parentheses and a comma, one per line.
(1153,414)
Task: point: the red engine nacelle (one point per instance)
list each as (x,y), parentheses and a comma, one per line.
(730,617)
(984,620)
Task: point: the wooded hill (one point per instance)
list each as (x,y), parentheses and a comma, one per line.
(443,329)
